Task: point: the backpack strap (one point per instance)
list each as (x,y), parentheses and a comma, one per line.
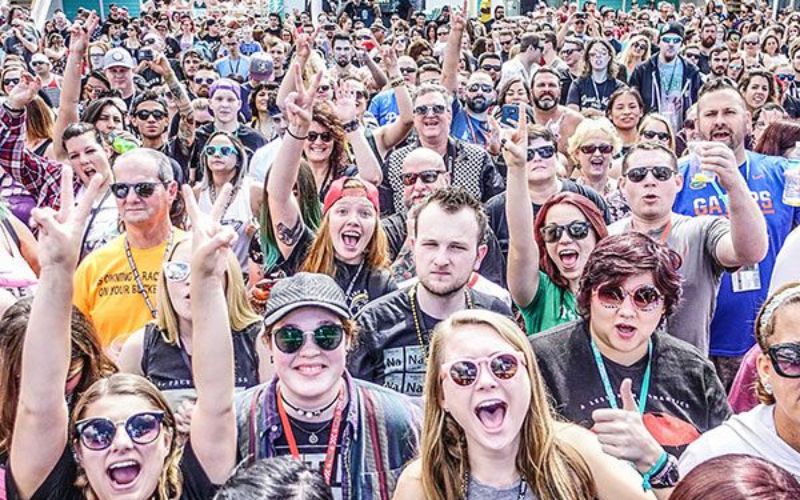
(252,445)
(376,443)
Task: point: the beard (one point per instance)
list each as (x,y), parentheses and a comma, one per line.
(707,43)
(442,290)
(718,71)
(478,104)
(545,102)
(342,62)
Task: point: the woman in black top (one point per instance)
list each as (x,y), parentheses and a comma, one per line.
(122,438)
(590,93)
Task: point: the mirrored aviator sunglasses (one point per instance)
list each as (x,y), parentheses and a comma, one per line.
(785,359)
(577,230)
(177,271)
(645,298)
(464,372)
(661,174)
(290,339)
(98,433)
(142,189)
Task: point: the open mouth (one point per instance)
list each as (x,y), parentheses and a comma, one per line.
(351,239)
(626,332)
(89,172)
(720,135)
(650,198)
(123,473)
(491,414)
(569,258)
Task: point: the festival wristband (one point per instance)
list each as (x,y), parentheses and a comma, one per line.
(652,471)
(299,138)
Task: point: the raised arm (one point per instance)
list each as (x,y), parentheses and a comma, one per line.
(186,126)
(79,38)
(304,43)
(523,254)
(390,135)
(452,51)
(40,427)
(374,70)
(213,430)
(345,107)
(287,223)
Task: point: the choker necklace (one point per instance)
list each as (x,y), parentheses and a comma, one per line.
(310,413)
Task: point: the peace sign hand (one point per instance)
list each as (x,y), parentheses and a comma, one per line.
(514,142)
(80,33)
(61,232)
(211,241)
(299,104)
(459,18)
(27,88)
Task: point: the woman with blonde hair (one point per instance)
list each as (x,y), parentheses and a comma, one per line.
(656,128)
(592,147)
(635,52)
(489,431)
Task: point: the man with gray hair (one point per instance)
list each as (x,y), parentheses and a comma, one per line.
(115,286)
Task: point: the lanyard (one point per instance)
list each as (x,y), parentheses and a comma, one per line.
(330,453)
(723,197)
(92,216)
(138,278)
(612,398)
(664,232)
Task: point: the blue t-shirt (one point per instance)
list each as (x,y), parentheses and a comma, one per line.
(732,331)
(466,127)
(384,107)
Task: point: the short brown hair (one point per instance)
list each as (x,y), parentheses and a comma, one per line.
(452,199)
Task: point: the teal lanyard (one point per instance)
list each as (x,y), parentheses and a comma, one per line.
(723,197)
(612,398)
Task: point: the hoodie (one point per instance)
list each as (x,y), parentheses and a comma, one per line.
(646,79)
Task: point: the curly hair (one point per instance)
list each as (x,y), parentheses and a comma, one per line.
(324,115)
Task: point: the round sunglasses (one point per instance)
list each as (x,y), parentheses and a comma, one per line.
(427,177)
(142,189)
(464,372)
(289,339)
(785,359)
(577,230)
(645,298)
(637,174)
(98,433)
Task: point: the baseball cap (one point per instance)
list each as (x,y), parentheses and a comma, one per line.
(304,290)
(39,57)
(261,67)
(118,57)
(351,186)
(674,29)
(225,84)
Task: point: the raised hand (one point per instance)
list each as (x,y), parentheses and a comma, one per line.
(389,55)
(345,105)
(304,43)
(61,232)
(80,33)
(514,142)
(459,18)
(211,241)
(299,104)
(24,92)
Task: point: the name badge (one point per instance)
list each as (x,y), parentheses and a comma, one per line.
(746,279)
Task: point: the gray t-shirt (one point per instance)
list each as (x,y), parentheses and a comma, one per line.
(478,491)
(695,239)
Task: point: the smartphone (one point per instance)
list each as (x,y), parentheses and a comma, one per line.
(146,54)
(510,116)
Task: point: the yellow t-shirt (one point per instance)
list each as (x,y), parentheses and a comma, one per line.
(106,292)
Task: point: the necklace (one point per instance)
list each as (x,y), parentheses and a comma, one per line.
(312,434)
(309,413)
(523,486)
(412,299)
(135,271)
(212,194)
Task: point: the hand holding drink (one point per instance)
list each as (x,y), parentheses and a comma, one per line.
(698,176)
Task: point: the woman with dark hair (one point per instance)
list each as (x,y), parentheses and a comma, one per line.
(589,94)
(56,52)
(735,68)
(94,85)
(267,119)
(514,90)
(779,139)
(769,430)
(625,110)
(276,477)
(763,117)
(107,114)
(418,49)
(758,88)
(431,32)
(754,479)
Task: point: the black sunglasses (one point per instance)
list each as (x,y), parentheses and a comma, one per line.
(785,359)
(289,339)
(145,114)
(428,177)
(544,152)
(652,134)
(98,433)
(324,136)
(637,174)
(408,70)
(142,189)
(436,109)
(589,149)
(785,77)
(11,81)
(203,81)
(577,230)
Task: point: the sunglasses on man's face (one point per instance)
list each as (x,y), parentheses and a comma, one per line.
(645,298)
(408,70)
(577,230)
(203,81)
(480,87)
(672,40)
(568,52)
(142,189)
(785,359)
(99,433)
(491,68)
(660,173)
(785,77)
(290,339)
(424,110)
(427,177)
(751,42)
(145,114)
(544,152)
(465,372)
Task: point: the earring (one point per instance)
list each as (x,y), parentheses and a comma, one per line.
(767,386)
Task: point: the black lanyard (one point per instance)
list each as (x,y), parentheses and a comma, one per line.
(137,276)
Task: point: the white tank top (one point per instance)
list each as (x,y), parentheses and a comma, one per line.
(238,215)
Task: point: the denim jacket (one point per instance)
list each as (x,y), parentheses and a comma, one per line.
(380,434)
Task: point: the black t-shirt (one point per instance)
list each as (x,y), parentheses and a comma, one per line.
(685,398)
(60,483)
(587,94)
(496,211)
(389,352)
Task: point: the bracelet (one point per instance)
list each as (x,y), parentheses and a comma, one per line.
(656,468)
(289,131)
(397,82)
(351,126)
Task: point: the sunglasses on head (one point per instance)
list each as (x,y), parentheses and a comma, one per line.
(145,114)
(577,230)
(289,339)
(220,151)
(427,177)
(483,87)
(324,136)
(464,372)
(589,149)
(177,271)
(652,134)
(436,109)
(11,81)
(637,174)
(142,189)
(785,359)
(645,298)
(544,152)
(203,81)
(98,433)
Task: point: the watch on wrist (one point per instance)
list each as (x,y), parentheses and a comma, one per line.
(668,476)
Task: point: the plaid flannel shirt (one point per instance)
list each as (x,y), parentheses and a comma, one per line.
(40,176)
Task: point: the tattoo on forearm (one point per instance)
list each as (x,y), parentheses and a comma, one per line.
(289,236)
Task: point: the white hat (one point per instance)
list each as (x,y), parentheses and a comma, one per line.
(118,57)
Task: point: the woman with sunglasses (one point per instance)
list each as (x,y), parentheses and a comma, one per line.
(489,431)
(735,68)
(162,351)
(657,129)
(360,434)
(121,440)
(644,393)
(544,267)
(635,53)
(10,77)
(769,430)
(592,147)
(750,51)
(589,94)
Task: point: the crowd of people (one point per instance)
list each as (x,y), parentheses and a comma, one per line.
(364,251)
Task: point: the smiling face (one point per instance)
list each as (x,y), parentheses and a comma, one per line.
(650,199)
(491,411)
(626,112)
(87,157)
(595,165)
(756,92)
(723,117)
(516,94)
(786,391)
(431,126)
(320,148)
(569,255)
(353,220)
(546,91)
(311,375)
(125,470)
